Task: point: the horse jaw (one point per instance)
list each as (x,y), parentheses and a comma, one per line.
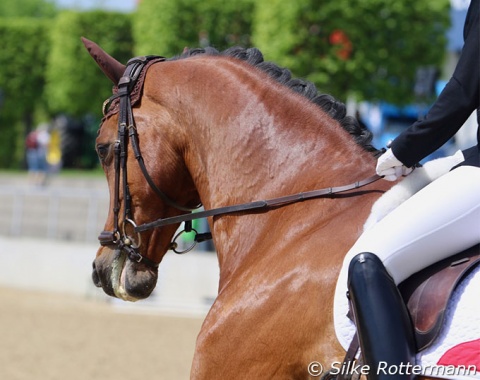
(110,66)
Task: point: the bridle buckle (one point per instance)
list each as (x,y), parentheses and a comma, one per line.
(127,239)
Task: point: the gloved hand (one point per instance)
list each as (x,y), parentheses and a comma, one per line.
(390,167)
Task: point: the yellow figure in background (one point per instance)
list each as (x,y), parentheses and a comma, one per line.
(54,152)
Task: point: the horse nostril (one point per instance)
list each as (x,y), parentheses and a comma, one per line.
(96,277)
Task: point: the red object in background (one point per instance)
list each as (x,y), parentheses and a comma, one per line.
(339,37)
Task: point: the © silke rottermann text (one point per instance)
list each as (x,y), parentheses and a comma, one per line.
(339,368)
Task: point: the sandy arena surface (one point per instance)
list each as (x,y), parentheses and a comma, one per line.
(45,336)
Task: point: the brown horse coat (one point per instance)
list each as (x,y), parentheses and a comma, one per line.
(219,130)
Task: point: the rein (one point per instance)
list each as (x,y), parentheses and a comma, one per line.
(267,204)
(119,238)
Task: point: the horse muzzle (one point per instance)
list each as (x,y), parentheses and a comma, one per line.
(123,278)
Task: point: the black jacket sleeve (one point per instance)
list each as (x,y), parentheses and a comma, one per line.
(455,104)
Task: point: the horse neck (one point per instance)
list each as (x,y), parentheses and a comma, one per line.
(250,138)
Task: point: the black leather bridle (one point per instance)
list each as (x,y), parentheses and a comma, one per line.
(120,238)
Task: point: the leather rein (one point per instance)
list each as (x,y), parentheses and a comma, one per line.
(121,238)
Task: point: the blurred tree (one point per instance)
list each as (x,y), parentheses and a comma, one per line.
(27,8)
(75,85)
(370,49)
(22,66)
(165,27)
(25,45)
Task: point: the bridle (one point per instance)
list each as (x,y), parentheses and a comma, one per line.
(120,238)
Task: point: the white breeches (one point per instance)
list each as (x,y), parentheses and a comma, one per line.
(439,221)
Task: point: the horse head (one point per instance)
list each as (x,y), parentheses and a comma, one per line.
(141,187)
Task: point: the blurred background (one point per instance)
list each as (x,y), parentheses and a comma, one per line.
(386,60)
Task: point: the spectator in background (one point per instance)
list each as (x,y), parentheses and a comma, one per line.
(37,143)
(54,152)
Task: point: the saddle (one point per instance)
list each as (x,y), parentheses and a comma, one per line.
(427,293)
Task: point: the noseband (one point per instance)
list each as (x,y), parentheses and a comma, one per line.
(120,238)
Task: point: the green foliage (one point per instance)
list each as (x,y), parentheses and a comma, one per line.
(387,42)
(75,85)
(22,67)
(275,31)
(27,8)
(165,27)
(369,49)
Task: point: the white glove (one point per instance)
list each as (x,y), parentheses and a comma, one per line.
(390,167)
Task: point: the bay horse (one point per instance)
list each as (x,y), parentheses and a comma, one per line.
(223,129)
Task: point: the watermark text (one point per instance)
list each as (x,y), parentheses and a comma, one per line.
(315,369)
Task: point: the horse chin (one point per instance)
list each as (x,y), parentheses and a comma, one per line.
(123,278)
(136,281)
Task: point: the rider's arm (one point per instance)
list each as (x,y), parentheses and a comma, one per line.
(454,105)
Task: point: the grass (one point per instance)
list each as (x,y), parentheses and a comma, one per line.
(92,173)
(64,173)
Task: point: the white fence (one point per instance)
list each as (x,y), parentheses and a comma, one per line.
(48,240)
(187,284)
(72,214)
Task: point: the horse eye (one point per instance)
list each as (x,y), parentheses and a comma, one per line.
(103,150)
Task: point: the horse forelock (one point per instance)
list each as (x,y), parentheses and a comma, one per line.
(333,107)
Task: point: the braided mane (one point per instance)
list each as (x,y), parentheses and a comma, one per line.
(327,103)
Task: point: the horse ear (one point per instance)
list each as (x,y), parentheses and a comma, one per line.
(109,65)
